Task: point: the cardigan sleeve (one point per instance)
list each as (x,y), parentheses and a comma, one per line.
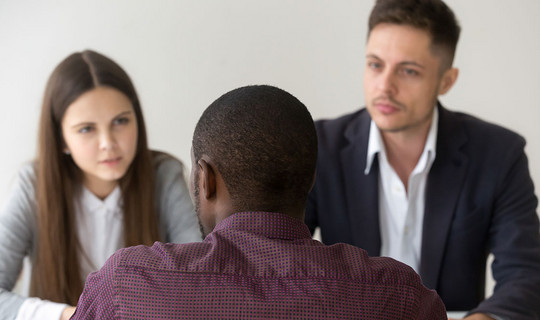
(17,229)
(178,221)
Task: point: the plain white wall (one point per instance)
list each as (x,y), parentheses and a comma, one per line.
(182,55)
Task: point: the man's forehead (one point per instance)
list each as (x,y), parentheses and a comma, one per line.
(400,44)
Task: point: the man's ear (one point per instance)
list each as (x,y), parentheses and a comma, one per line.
(448,79)
(208,177)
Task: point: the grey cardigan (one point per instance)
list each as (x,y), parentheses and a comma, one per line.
(178,223)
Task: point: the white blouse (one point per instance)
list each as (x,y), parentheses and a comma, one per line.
(96,219)
(101,221)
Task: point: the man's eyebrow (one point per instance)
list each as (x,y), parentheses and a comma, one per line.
(403,63)
(413,63)
(373,56)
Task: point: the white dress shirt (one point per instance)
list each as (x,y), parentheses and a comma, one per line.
(401,213)
(98,220)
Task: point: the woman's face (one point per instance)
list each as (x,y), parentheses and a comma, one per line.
(100,133)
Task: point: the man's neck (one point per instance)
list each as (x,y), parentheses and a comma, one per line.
(404,149)
(297,211)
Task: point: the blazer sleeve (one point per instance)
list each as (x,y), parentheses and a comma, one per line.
(17,227)
(515,243)
(178,221)
(314,207)
(311,210)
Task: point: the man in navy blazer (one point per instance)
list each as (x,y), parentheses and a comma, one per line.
(440,190)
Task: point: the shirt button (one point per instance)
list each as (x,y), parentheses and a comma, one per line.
(407,229)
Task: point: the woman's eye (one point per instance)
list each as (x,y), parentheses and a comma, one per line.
(122,120)
(85,129)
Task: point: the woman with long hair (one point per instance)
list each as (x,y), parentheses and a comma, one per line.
(94,187)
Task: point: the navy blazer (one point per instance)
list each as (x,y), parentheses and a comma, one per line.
(479,199)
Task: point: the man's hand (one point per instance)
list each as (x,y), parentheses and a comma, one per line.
(476,316)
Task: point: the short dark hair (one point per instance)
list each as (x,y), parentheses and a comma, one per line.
(433,16)
(263,142)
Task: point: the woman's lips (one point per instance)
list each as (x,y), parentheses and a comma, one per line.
(111,161)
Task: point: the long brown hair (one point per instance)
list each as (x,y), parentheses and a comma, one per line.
(56,267)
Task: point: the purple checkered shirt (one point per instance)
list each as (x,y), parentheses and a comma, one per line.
(255,265)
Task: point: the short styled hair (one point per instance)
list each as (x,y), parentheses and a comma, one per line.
(433,16)
(263,142)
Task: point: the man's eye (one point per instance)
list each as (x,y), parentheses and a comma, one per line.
(374,65)
(410,72)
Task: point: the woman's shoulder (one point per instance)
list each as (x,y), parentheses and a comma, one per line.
(166,165)
(21,202)
(26,175)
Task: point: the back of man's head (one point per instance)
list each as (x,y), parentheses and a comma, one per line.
(433,16)
(264,144)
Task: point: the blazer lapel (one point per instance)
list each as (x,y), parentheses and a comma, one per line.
(442,190)
(362,190)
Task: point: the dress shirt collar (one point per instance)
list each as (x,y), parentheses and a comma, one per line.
(376,143)
(267,224)
(91,203)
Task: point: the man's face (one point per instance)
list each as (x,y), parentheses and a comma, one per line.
(402,78)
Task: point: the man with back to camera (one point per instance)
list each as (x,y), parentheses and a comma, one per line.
(253,163)
(436,189)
